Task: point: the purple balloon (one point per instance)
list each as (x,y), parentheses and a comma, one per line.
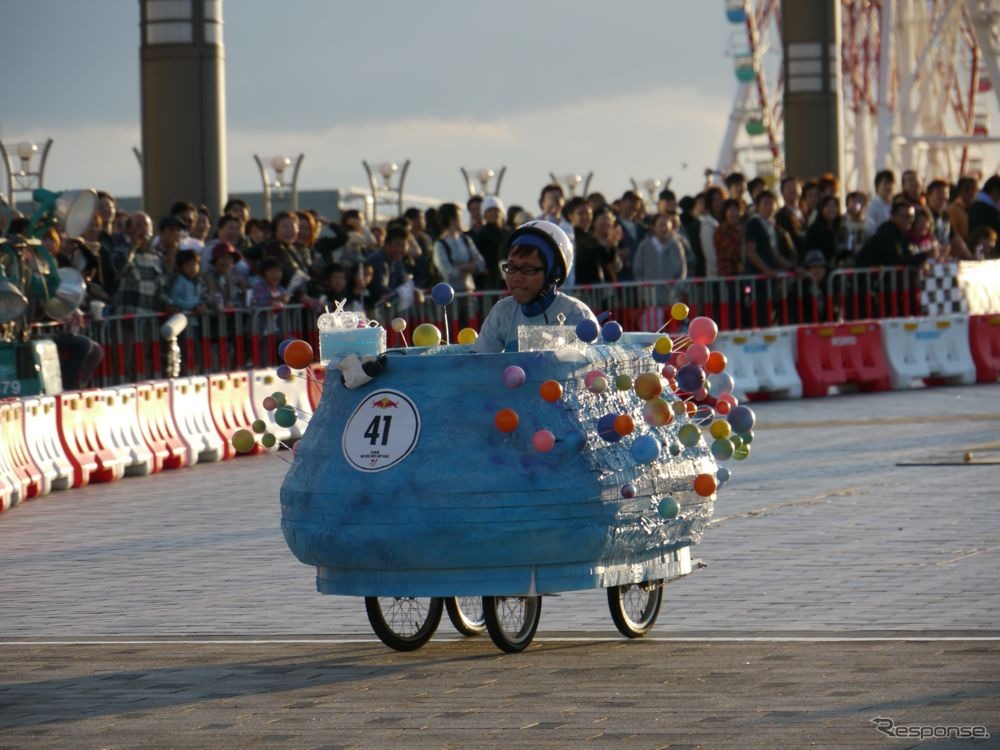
(586,330)
(284,372)
(741,418)
(606,428)
(443,293)
(611,331)
(628,491)
(690,377)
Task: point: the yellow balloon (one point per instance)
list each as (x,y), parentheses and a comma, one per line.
(679,311)
(664,345)
(426,334)
(720,429)
(467,336)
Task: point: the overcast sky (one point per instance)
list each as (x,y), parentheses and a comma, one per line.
(636,90)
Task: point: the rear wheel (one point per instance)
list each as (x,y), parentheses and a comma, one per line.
(634,607)
(512,620)
(402,622)
(466,614)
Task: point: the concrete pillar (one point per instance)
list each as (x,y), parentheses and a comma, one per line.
(810,31)
(183,104)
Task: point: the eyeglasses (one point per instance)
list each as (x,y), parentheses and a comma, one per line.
(510,268)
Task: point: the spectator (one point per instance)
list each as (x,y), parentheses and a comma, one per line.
(728,240)
(141,287)
(187,288)
(589,262)
(855,226)
(202,225)
(475,208)
(763,256)
(332,288)
(789,217)
(912,191)
(736,186)
(880,206)
(629,218)
(239,208)
(418,258)
(360,240)
(714,198)
(921,235)
(266,289)
(754,188)
(168,241)
(662,257)
(824,231)
(491,239)
(812,289)
(223,288)
(691,211)
(455,255)
(985,208)
(294,264)
(667,202)
(889,246)
(608,235)
(810,202)
(983,241)
(258,231)
(389,275)
(99,242)
(958,210)
(952,247)
(551,200)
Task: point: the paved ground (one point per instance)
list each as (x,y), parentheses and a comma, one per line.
(830,529)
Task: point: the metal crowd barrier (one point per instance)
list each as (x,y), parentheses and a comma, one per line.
(235,339)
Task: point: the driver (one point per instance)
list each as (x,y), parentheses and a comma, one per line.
(539,257)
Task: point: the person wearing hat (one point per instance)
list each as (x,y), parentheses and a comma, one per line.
(813,287)
(490,240)
(539,257)
(223,288)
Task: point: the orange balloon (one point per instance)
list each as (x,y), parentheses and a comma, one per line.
(506,419)
(298,354)
(704,484)
(690,407)
(624,424)
(716,362)
(551,390)
(722,407)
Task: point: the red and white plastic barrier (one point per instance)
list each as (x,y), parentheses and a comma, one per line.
(124,431)
(41,432)
(193,418)
(761,362)
(920,350)
(844,355)
(78,414)
(156,424)
(231,408)
(13,441)
(984,341)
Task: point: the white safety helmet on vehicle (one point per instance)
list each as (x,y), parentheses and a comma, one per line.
(553,244)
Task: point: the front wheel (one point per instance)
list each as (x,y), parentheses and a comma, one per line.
(512,620)
(466,614)
(634,607)
(402,622)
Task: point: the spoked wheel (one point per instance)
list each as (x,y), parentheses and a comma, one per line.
(634,607)
(402,622)
(466,614)
(512,620)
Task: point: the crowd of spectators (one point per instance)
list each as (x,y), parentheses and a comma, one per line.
(189,261)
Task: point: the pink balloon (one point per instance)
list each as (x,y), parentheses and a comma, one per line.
(701,394)
(681,360)
(729,398)
(669,371)
(543,441)
(703,330)
(698,353)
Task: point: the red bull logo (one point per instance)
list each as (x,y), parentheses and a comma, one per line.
(385,403)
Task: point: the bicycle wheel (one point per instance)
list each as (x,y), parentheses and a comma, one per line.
(634,607)
(512,620)
(466,614)
(402,622)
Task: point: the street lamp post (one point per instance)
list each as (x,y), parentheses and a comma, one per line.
(484,176)
(386,191)
(573,181)
(24,179)
(652,188)
(277,187)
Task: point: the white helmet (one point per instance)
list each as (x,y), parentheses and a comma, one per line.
(554,237)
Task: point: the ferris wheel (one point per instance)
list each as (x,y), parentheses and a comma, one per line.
(917,79)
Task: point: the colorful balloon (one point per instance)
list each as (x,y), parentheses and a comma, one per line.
(243,441)
(720,428)
(628,490)
(298,354)
(747,436)
(679,311)
(506,420)
(398,325)
(689,435)
(282,346)
(675,449)
(664,345)
(587,330)
(741,418)
(543,441)
(623,382)
(268,440)
(606,428)
(551,390)
(669,371)
(269,403)
(724,474)
(285,416)
(716,363)
(284,372)
(279,398)
(442,293)
(611,331)
(698,354)
(467,336)
(742,452)
(426,334)
(645,449)
(705,485)
(703,330)
(722,382)
(624,424)
(648,386)
(657,412)
(690,377)
(513,376)
(259,426)
(660,359)
(668,508)
(722,449)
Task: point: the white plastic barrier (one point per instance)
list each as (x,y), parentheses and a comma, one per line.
(263,383)
(761,361)
(13,489)
(124,433)
(193,417)
(42,438)
(918,349)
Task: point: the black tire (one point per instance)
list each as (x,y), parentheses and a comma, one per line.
(466,614)
(512,620)
(404,623)
(635,606)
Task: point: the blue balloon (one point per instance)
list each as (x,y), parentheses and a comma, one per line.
(741,418)
(586,330)
(645,449)
(675,450)
(724,474)
(690,377)
(603,316)
(661,358)
(575,440)
(443,293)
(606,428)
(282,346)
(611,331)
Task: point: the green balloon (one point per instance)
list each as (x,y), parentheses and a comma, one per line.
(279,398)
(742,452)
(668,508)
(689,435)
(722,449)
(736,440)
(285,416)
(623,382)
(268,440)
(747,437)
(675,450)
(259,426)
(243,441)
